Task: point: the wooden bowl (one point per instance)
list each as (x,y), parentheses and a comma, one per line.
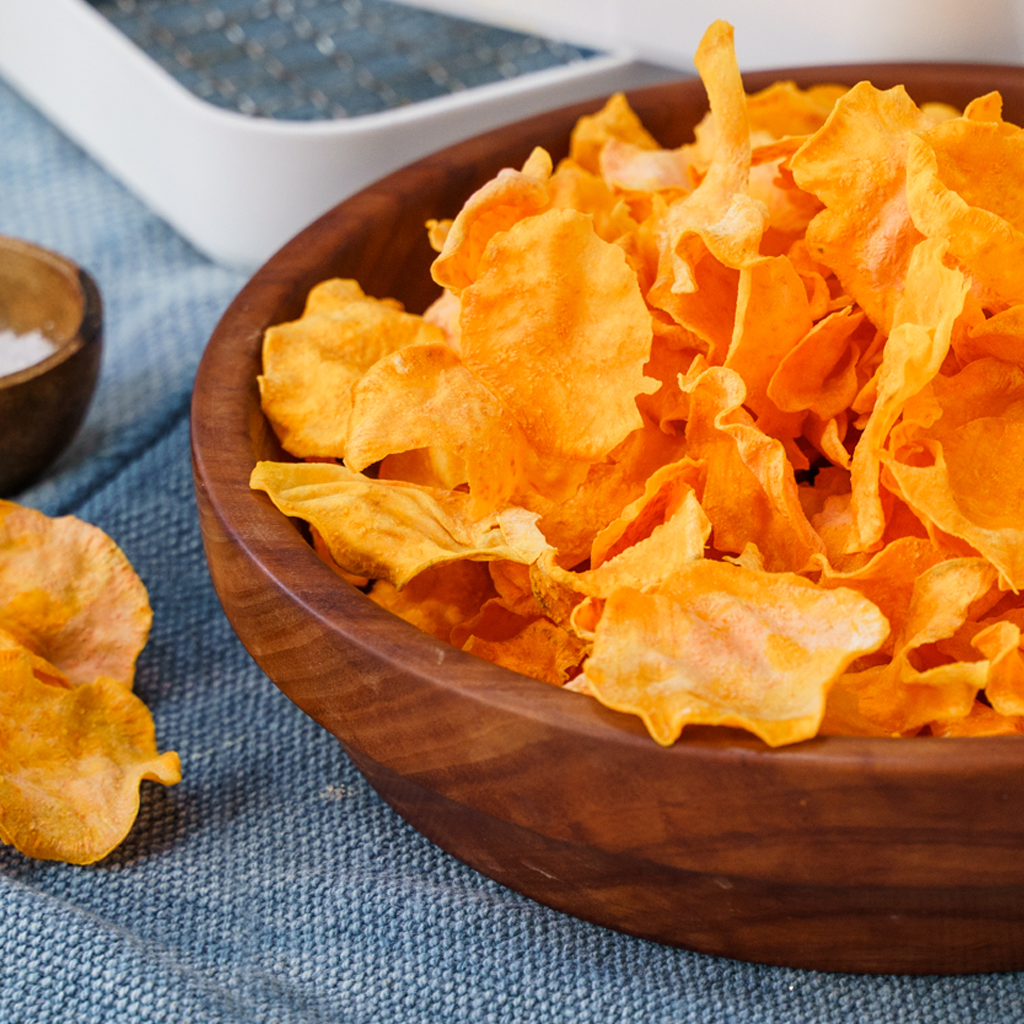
(843,854)
(42,406)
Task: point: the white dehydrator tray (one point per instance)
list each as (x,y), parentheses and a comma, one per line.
(239,186)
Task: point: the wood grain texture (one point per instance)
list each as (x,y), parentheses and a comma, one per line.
(836,854)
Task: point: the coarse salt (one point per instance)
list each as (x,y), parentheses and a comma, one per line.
(19,351)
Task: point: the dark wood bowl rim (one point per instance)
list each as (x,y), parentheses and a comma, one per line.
(89,297)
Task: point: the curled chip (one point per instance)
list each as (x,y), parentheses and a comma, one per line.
(74,740)
(728,433)
(69,594)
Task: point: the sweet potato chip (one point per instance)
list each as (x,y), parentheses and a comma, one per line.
(392,530)
(68,593)
(719,216)
(310,364)
(772,317)
(614,121)
(492,209)
(424,397)
(539,649)
(723,645)
(909,692)
(750,494)
(856,165)
(914,352)
(962,472)
(963,187)
(71,759)
(555,319)
(440,598)
(819,373)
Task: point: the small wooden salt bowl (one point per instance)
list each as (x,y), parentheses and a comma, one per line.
(43,405)
(842,854)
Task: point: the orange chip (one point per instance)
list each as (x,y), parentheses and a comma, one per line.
(71,759)
(536,647)
(390,529)
(726,646)
(750,494)
(68,593)
(615,121)
(424,397)
(959,467)
(492,209)
(864,234)
(963,187)
(440,598)
(914,352)
(772,317)
(901,697)
(555,319)
(310,364)
(720,216)
(820,372)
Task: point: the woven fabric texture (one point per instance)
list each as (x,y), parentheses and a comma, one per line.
(272,885)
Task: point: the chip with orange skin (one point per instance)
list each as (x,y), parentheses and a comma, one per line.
(616,120)
(819,373)
(71,760)
(719,217)
(887,580)
(573,188)
(722,645)
(1000,336)
(571,525)
(438,599)
(654,538)
(999,643)
(708,310)
(919,685)
(914,353)
(537,647)
(772,317)
(982,721)
(423,396)
(629,167)
(750,494)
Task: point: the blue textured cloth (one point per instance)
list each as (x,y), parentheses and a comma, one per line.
(272,885)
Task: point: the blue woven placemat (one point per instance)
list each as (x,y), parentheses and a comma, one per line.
(272,886)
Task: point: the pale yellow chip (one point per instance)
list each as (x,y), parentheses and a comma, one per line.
(722,645)
(310,364)
(393,530)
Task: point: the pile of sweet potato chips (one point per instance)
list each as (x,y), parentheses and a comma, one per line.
(74,740)
(726,434)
